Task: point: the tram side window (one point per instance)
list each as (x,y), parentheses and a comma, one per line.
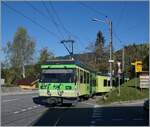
(94,82)
(113,82)
(84,77)
(109,83)
(90,79)
(81,76)
(105,82)
(87,77)
(77,75)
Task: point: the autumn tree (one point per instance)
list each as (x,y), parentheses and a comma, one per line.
(20,51)
(98,56)
(99,47)
(45,55)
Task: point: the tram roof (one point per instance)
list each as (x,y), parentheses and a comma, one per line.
(68,61)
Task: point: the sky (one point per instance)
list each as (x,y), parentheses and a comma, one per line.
(48,22)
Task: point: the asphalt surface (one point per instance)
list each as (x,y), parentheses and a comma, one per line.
(20,110)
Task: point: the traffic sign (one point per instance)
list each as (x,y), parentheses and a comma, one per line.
(111,61)
(138,66)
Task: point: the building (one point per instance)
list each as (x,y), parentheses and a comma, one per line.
(29,83)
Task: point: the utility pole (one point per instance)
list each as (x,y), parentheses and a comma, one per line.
(123,60)
(119,72)
(110,53)
(69,41)
(110,46)
(109,23)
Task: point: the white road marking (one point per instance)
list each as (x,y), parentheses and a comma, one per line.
(138,119)
(97,116)
(97,119)
(29,108)
(16,112)
(117,119)
(97,110)
(10,100)
(23,110)
(95,106)
(96,113)
(34,96)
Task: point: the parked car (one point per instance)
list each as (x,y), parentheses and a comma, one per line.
(146,105)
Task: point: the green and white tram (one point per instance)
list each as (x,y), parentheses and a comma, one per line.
(66,79)
(103,83)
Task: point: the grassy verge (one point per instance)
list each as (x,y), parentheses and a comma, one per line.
(128,92)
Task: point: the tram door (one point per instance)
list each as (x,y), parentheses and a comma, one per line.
(91,84)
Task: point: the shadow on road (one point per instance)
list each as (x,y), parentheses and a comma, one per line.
(42,101)
(100,116)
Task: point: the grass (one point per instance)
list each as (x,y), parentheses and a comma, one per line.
(129,91)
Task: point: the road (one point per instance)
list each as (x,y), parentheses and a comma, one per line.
(20,110)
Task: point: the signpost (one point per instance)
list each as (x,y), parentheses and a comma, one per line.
(138,68)
(119,72)
(144,80)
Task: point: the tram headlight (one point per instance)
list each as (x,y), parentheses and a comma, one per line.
(49,93)
(60,92)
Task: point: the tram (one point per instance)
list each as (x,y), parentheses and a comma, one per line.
(71,80)
(66,80)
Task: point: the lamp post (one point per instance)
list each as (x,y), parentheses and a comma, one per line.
(109,23)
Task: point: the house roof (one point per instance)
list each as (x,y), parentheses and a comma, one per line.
(27,81)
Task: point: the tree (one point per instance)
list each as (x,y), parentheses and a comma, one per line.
(99,47)
(20,51)
(98,56)
(45,55)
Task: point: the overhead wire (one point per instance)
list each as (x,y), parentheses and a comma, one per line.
(36,10)
(58,19)
(118,21)
(103,14)
(92,9)
(52,19)
(30,19)
(61,23)
(66,31)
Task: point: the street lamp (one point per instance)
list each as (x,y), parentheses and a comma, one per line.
(109,23)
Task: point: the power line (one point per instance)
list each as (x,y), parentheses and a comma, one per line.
(37,10)
(92,9)
(117,36)
(101,13)
(120,16)
(61,23)
(57,16)
(30,19)
(52,18)
(66,31)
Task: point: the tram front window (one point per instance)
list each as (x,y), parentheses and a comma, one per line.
(57,78)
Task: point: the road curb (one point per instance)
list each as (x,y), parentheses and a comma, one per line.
(17,93)
(124,102)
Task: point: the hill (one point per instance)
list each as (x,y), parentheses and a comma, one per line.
(132,52)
